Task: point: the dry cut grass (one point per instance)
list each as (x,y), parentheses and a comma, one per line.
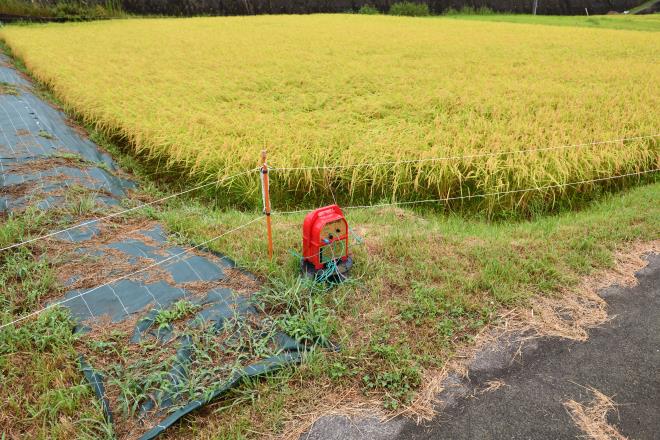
(591,418)
(207,94)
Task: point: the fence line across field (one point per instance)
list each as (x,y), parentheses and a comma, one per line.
(434,159)
(123,277)
(469,156)
(472,196)
(197,246)
(380,205)
(125,211)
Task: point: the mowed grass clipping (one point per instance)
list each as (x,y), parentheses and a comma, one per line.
(204,96)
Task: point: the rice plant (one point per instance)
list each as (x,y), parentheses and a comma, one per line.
(204,95)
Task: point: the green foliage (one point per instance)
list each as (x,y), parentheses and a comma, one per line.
(469,10)
(398,384)
(17,228)
(44,134)
(63,9)
(392,371)
(368,10)
(648,23)
(24,7)
(51,332)
(24,280)
(410,9)
(179,310)
(300,309)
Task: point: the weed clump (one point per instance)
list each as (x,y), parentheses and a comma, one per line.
(368,10)
(410,9)
(8,89)
(469,10)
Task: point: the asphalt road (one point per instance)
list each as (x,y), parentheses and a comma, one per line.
(621,359)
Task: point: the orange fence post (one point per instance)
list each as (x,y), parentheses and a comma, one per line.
(265,192)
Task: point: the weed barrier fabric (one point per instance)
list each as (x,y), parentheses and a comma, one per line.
(216,306)
(42,161)
(42,157)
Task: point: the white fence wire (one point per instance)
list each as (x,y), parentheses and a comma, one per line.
(402,203)
(129,275)
(433,159)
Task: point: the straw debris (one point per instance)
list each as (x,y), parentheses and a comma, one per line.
(570,316)
(591,417)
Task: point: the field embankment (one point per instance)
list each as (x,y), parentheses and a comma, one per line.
(205,95)
(650,22)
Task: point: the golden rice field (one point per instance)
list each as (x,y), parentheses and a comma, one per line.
(205,95)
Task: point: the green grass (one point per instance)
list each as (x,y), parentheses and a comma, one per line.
(649,23)
(44,394)
(423,285)
(8,89)
(409,9)
(179,310)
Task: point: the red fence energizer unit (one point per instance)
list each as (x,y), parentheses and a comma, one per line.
(325,238)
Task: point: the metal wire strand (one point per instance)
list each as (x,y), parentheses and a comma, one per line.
(123,277)
(469,156)
(125,211)
(472,196)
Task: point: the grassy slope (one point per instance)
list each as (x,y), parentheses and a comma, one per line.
(424,284)
(44,394)
(649,23)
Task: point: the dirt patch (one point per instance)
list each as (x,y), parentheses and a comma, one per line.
(88,272)
(17,191)
(83,269)
(35,187)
